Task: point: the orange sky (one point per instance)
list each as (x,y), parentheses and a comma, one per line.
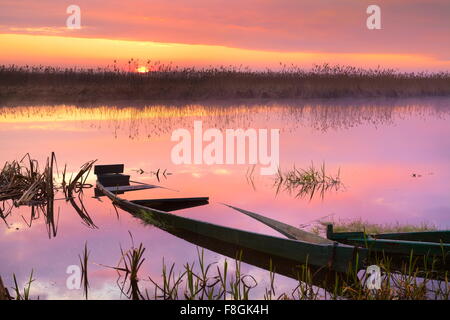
(414,34)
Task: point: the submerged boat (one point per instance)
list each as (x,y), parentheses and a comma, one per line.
(326,258)
(427,250)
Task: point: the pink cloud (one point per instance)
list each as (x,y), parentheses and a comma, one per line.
(408,27)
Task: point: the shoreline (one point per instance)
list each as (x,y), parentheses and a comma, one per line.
(231,102)
(52,85)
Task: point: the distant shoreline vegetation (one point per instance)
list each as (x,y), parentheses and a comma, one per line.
(155,81)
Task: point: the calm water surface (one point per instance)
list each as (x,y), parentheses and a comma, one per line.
(376,145)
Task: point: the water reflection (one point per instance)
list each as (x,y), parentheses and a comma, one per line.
(307,182)
(154,121)
(378,146)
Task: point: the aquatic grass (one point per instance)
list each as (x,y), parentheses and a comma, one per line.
(4,293)
(307,182)
(166,81)
(199,282)
(22,183)
(170,284)
(76,186)
(270,292)
(128,268)
(241,284)
(26,290)
(413,279)
(361,225)
(407,282)
(84,259)
(51,223)
(305,290)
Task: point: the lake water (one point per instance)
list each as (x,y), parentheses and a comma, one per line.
(393,157)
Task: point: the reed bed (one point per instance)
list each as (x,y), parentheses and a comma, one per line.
(200,280)
(22,183)
(168,82)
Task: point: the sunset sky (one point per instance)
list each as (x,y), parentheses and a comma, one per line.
(414,34)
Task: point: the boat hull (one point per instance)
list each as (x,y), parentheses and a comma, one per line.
(288,257)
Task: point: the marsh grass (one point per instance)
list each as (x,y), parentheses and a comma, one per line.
(127,268)
(22,183)
(26,290)
(4,293)
(306,183)
(84,260)
(360,225)
(53,84)
(76,186)
(210,281)
(199,280)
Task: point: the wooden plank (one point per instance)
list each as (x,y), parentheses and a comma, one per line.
(417,248)
(285,229)
(336,236)
(108,168)
(172,204)
(114,179)
(123,189)
(425,236)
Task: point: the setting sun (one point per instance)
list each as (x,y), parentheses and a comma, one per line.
(142,69)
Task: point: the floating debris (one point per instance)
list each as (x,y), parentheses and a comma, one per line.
(156,173)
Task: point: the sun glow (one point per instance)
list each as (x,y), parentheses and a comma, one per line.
(142,69)
(67,51)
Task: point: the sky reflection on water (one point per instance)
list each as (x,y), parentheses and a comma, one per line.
(377,145)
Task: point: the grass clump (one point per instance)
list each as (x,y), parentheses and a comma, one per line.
(201,281)
(22,183)
(360,225)
(26,290)
(307,182)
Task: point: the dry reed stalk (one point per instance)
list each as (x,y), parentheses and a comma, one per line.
(76,186)
(23,184)
(4,294)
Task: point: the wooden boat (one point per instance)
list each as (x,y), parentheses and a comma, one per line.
(433,246)
(331,257)
(429,251)
(325,258)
